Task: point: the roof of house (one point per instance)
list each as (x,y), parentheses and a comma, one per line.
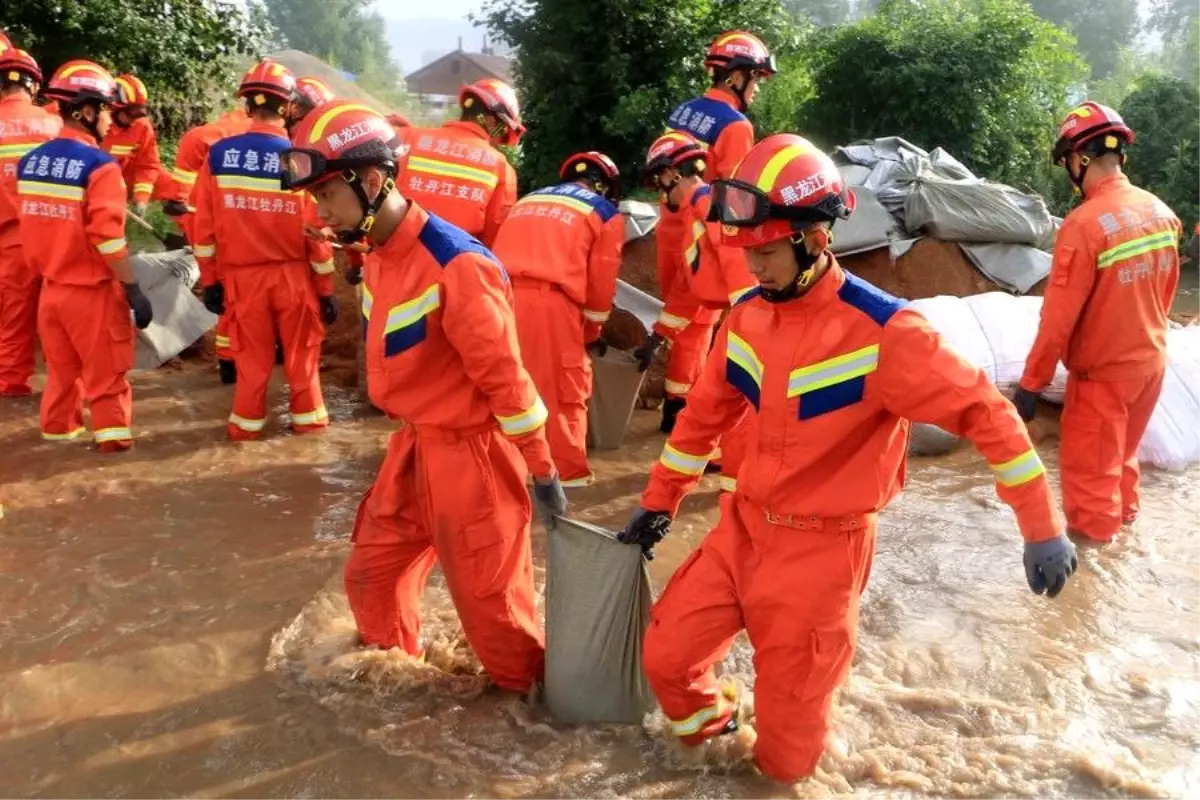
(492,65)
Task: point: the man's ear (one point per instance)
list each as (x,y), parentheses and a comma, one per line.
(817,239)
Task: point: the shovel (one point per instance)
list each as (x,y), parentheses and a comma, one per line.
(172,241)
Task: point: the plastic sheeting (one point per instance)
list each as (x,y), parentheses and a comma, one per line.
(643,306)
(640,218)
(179,318)
(1016,267)
(1172,439)
(597,609)
(870,226)
(976,211)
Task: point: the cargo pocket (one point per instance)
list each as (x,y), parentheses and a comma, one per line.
(121,331)
(466,510)
(829,656)
(575,379)
(314,332)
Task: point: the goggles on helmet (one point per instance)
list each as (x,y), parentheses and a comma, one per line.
(744,205)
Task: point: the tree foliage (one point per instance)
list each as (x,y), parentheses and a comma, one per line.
(985,79)
(1103,28)
(344,33)
(1165,158)
(187,52)
(606,75)
(822,13)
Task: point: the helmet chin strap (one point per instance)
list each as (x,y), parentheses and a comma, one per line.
(806,265)
(739,92)
(92,127)
(370,208)
(1077,180)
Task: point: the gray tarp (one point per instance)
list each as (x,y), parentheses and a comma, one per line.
(640,218)
(179,318)
(1016,267)
(869,227)
(597,609)
(643,306)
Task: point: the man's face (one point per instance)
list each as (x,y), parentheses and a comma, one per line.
(104,121)
(773,264)
(752,84)
(337,204)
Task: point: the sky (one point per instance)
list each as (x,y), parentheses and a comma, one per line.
(421,30)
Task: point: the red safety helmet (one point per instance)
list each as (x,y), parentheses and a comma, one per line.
(782,186)
(498,99)
(673,149)
(740,50)
(79,81)
(18,67)
(398,120)
(1086,125)
(312,92)
(598,169)
(132,97)
(267,79)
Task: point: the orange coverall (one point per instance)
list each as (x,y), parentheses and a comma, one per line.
(562,247)
(250,237)
(834,378)
(189,159)
(1115,271)
(457,174)
(442,354)
(72,225)
(714,121)
(23,126)
(136,149)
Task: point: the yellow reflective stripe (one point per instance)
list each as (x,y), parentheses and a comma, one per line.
(728,484)
(143,188)
(693,724)
(775,165)
(1021,469)
(183,176)
(576,483)
(248,425)
(739,351)
(223,341)
(112,434)
(269,185)
(15,150)
(834,370)
(319,129)
(694,249)
(205,250)
(121,149)
(596,316)
(63,437)
(1136,247)
(556,200)
(671,321)
(56,190)
(432,166)
(111,246)
(738,294)
(681,462)
(311,417)
(406,314)
(368,301)
(528,420)
(322,267)
(672,387)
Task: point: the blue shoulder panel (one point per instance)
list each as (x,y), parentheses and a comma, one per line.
(599,203)
(749,295)
(64,162)
(445,242)
(703,118)
(870,299)
(703,191)
(249,155)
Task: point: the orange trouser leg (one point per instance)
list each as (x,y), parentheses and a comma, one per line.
(688,353)
(19,288)
(249,312)
(465,493)
(223,345)
(61,414)
(298,318)
(550,332)
(1102,426)
(797,594)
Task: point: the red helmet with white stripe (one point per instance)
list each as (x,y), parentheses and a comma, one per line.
(740,50)
(131,92)
(498,99)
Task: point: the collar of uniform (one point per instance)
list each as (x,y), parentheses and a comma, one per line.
(12,99)
(691,194)
(267,128)
(76,135)
(469,127)
(826,289)
(716,93)
(405,237)
(1108,183)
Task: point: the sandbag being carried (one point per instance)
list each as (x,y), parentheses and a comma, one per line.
(597,609)
(179,318)
(615,386)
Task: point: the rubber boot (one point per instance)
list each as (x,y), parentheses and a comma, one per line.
(228,371)
(671,408)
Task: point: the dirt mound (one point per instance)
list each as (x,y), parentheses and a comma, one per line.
(339,353)
(931,268)
(639,265)
(304,65)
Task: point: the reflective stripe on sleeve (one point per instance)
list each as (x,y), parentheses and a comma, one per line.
(322,267)
(205,250)
(1019,470)
(528,420)
(599,317)
(111,246)
(681,462)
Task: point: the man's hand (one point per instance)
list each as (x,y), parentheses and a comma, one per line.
(329,309)
(1026,403)
(598,347)
(646,528)
(143,314)
(1048,564)
(175,208)
(646,353)
(549,499)
(214,298)
(140,209)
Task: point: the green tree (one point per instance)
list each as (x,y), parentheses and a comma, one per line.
(606,75)
(187,52)
(1102,27)
(1165,158)
(822,13)
(986,79)
(344,33)
(1178,21)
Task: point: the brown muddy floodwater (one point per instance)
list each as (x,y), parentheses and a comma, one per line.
(172,624)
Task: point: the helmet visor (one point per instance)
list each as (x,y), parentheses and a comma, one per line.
(301,168)
(743,205)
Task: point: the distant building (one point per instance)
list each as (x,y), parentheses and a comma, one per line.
(436,84)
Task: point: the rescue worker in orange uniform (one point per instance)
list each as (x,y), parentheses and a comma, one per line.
(561,245)
(1115,271)
(72,227)
(737,63)
(133,143)
(23,126)
(310,93)
(258,267)
(189,159)
(456,171)
(834,370)
(442,354)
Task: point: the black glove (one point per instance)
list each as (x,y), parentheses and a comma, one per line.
(549,499)
(598,347)
(214,298)
(329,309)
(1048,565)
(143,314)
(646,528)
(646,353)
(1026,403)
(353,275)
(174,208)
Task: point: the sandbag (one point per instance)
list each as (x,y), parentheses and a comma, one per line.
(1172,439)
(1016,267)
(597,609)
(180,319)
(615,386)
(976,211)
